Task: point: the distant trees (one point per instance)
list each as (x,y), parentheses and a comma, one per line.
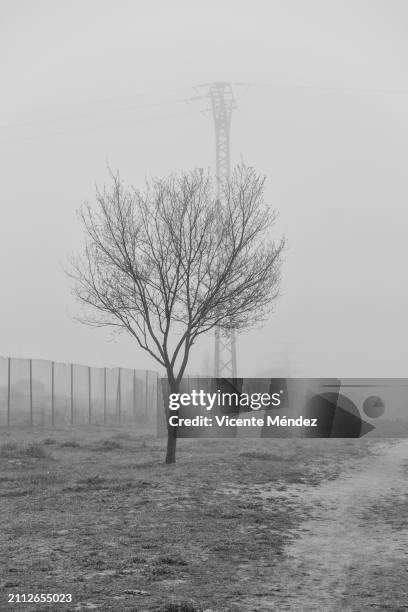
(170,262)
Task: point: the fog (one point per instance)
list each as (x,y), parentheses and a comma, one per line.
(91,84)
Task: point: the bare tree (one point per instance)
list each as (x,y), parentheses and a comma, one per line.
(171,262)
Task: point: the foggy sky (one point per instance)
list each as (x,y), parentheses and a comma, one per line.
(87,84)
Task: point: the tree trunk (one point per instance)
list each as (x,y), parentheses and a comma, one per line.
(171,429)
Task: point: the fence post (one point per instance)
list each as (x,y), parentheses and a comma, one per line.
(119,398)
(158,403)
(104,396)
(146,398)
(8,390)
(72,393)
(89,397)
(52,395)
(134,395)
(162,412)
(31,392)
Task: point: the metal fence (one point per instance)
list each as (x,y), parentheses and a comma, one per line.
(39,393)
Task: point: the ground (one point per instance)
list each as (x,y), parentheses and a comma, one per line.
(234,526)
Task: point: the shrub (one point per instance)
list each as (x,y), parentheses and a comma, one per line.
(70,444)
(108,445)
(35,450)
(49,441)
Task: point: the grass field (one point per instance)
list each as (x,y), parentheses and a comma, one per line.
(95,512)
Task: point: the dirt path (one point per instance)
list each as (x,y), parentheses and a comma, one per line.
(351,554)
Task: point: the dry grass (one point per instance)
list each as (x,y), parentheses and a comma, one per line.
(104,518)
(16,450)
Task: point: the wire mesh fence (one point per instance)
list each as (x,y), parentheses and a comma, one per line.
(40,393)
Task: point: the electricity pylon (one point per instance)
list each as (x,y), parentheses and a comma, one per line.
(221,96)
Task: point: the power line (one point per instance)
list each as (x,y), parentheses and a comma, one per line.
(335,89)
(245,87)
(90,114)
